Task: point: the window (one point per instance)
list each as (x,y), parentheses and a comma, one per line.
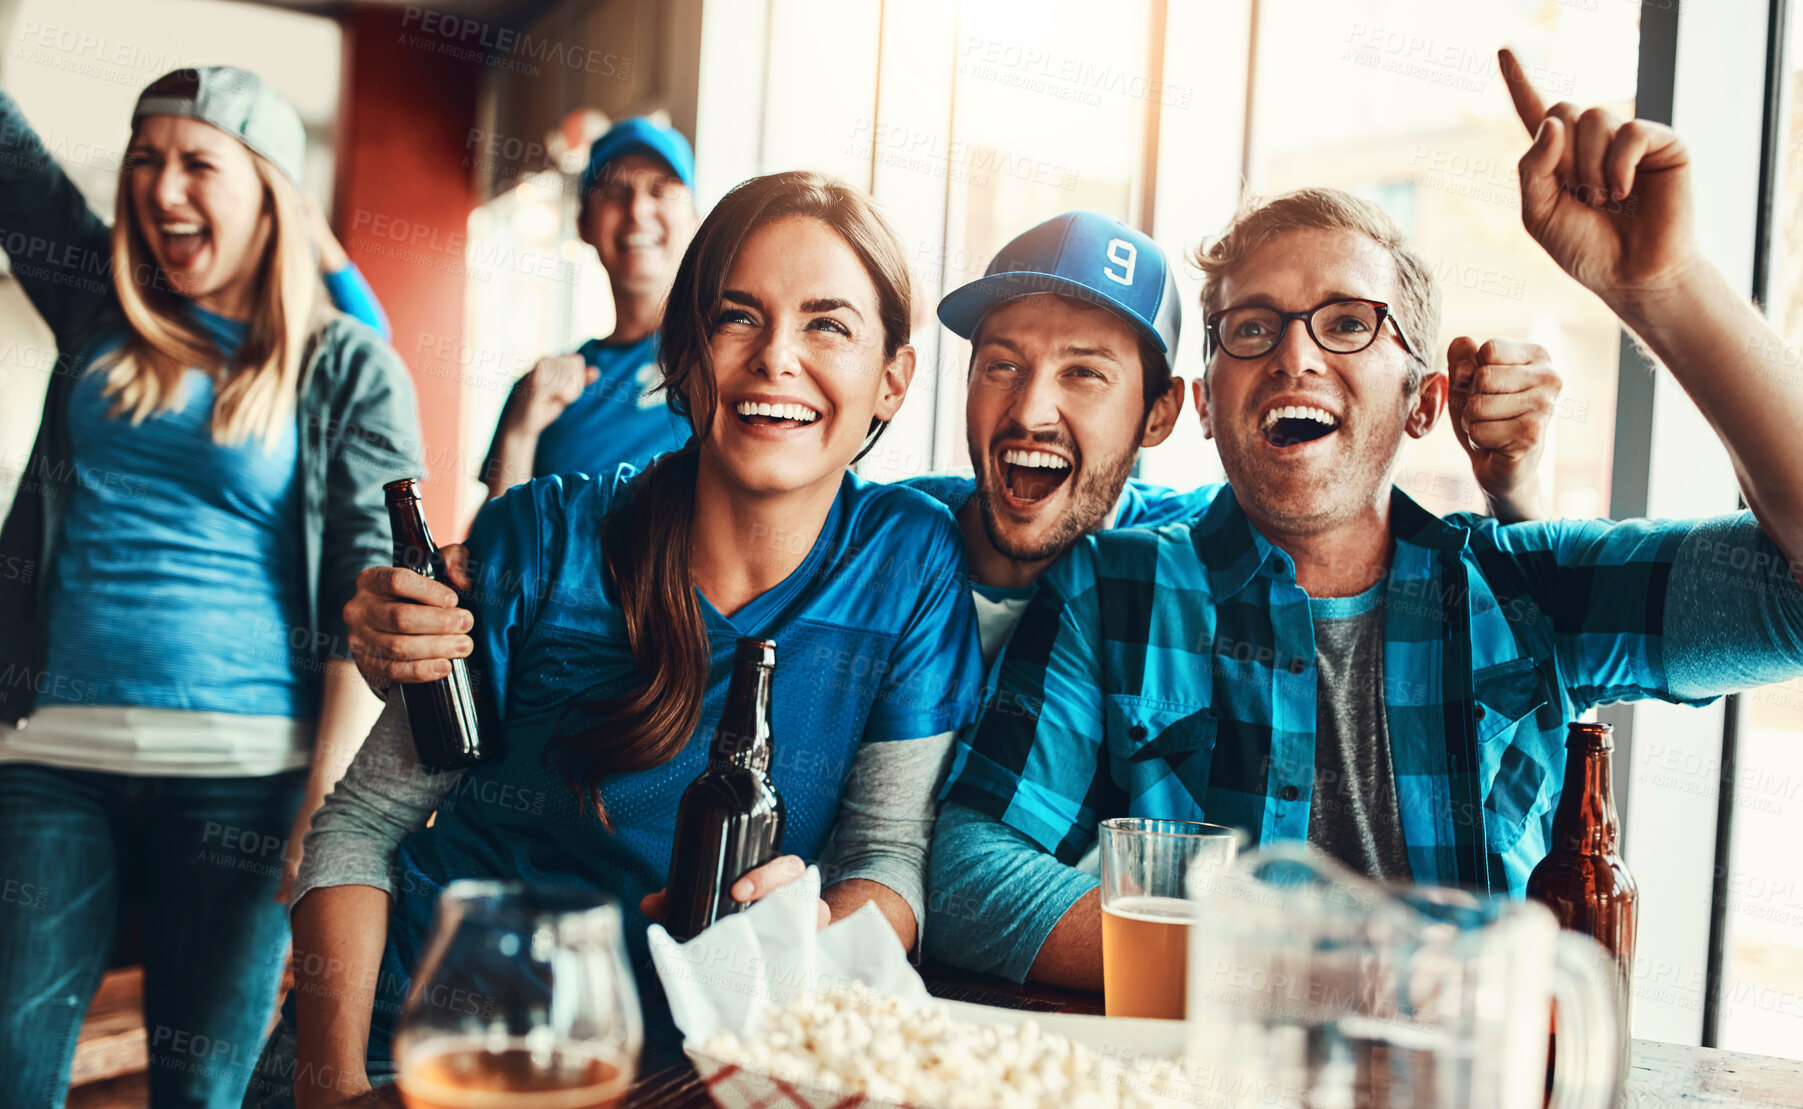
(1401,102)
(1761,1001)
(969,121)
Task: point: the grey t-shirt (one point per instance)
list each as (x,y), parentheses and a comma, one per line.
(1354,815)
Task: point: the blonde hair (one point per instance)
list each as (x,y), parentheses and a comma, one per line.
(1417,306)
(259,387)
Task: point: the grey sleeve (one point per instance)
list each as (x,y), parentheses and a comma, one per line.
(995,894)
(886,811)
(1733,612)
(384,796)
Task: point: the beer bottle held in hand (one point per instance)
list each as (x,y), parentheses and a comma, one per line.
(730,820)
(451,728)
(1583,879)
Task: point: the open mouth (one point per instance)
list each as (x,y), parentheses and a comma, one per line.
(1293,424)
(643,240)
(759,414)
(1031,476)
(182,242)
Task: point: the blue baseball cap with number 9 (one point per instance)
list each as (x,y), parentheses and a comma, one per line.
(1084,255)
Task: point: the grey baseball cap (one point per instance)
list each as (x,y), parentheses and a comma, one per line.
(237,102)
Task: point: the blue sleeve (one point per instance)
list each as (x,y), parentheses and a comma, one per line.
(993,895)
(1144,505)
(1035,759)
(506,560)
(1734,612)
(1605,590)
(934,679)
(352,295)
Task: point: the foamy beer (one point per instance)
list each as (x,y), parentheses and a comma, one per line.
(1145,913)
(523,1000)
(457,1072)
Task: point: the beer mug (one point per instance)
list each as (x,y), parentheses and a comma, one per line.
(1145,916)
(1309,985)
(522,1001)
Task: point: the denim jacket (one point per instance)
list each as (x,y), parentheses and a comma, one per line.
(357,416)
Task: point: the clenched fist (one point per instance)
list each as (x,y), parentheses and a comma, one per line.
(546,390)
(1502,397)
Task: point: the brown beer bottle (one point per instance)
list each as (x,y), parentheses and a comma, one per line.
(730,820)
(452,728)
(1583,879)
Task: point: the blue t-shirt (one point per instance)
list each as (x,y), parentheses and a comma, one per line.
(1142,504)
(179,578)
(876,641)
(619,418)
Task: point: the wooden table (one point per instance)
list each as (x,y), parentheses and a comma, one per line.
(1661,1074)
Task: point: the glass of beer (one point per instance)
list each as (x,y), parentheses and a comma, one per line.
(1146,913)
(522,1001)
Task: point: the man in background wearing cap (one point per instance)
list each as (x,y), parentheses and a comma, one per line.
(589,411)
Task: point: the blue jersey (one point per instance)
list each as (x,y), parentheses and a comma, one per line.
(876,641)
(621,417)
(1142,504)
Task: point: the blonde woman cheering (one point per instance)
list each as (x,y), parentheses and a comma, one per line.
(205,486)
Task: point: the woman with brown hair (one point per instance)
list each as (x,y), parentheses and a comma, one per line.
(606,611)
(205,485)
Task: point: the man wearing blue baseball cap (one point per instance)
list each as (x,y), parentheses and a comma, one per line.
(589,411)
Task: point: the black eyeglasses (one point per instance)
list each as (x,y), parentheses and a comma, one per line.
(1344,326)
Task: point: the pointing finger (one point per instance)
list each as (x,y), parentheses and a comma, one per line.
(1528,104)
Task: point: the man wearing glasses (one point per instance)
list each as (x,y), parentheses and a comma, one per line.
(1316,657)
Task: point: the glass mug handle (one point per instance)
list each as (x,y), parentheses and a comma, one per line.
(1592,1036)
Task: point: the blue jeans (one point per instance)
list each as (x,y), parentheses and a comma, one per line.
(197,862)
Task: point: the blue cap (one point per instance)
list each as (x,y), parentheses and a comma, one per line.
(1085,255)
(640,135)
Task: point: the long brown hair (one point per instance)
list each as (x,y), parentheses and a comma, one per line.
(647,538)
(257,392)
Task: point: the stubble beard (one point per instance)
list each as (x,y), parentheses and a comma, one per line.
(1095,495)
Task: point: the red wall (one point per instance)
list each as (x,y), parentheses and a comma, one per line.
(404,196)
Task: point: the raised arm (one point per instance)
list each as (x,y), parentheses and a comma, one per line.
(59,249)
(350,293)
(1610,200)
(537,399)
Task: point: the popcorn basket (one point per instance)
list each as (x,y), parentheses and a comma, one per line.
(778,1015)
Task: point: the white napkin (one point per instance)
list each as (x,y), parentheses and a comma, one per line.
(725,978)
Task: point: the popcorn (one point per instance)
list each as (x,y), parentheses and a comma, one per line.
(856,1041)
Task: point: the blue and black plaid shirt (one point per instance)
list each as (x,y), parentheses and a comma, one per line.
(1171,673)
